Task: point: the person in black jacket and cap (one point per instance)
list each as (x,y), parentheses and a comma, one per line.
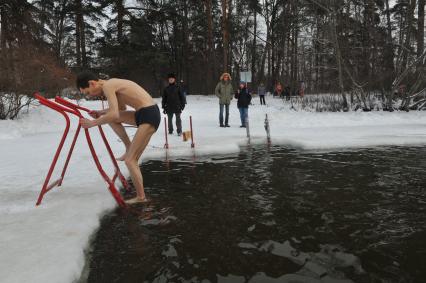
(244,100)
(173,102)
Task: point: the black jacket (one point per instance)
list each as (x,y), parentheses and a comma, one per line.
(244,98)
(173,100)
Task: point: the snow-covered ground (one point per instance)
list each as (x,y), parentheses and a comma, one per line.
(46,243)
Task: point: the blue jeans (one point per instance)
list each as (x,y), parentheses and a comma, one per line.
(221,113)
(243,115)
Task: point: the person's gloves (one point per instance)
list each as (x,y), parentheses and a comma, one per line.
(164,111)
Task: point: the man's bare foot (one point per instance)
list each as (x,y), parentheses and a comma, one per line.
(136,200)
(121,158)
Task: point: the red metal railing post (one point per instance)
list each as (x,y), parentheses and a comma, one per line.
(111,186)
(69,154)
(114,161)
(46,186)
(166,145)
(110,182)
(62,106)
(192,132)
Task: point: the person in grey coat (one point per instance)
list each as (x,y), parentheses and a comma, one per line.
(224,92)
(261,92)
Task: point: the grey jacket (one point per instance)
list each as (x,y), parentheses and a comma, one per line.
(261,90)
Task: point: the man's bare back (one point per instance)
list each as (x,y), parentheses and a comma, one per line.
(128,93)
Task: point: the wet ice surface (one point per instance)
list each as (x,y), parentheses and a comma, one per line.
(272,215)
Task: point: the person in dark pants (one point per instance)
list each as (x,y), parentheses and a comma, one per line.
(244,99)
(173,102)
(261,92)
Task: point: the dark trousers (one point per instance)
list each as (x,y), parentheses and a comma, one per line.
(178,122)
(221,106)
(262,100)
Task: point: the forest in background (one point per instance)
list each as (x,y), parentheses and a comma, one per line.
(356,47)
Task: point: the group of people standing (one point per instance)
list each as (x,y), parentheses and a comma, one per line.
(285,92)
(174,99)
(224,91)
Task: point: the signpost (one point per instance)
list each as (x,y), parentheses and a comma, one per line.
(245,76)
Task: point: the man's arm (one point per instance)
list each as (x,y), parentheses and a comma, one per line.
(97,113)
(181,98)
(217,90)
(111,114)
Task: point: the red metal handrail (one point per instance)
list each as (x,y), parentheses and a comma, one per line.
(166,145)
(192,132)
(46,186)
(76,108)
(63,106)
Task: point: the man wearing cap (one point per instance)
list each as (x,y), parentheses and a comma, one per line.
(173,102)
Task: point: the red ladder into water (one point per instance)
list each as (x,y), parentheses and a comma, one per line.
(64,106)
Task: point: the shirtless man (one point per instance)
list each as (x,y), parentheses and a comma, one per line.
(121,93)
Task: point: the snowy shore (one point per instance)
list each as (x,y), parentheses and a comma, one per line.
(46,243)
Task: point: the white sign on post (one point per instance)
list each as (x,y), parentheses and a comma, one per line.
(245,76)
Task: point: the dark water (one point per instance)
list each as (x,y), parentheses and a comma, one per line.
(272,215)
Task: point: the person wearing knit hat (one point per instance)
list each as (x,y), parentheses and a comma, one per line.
(173,102)
(224,92)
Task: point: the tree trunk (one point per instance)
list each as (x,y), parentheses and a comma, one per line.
(294,59)
(409,31)
(185,49)
(254,49)
(78,32)
(211,63)
(3,31)
(3,45)
(421,27)
(120,18)
(83,42)
(389,51)
(225,33)
(59,30)
(338,58)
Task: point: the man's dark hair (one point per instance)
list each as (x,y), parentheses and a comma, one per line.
(171,75)
(83,79)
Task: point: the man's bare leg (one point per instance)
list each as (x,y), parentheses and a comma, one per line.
(137,146)
(127,117)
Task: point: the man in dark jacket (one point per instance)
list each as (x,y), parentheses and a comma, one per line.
(244,99)
(173,102)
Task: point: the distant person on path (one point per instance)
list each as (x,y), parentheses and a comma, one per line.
(261,92)
(286,93)
(244,99)
(302,88)
(121,93)
(224,92)
(173,102)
